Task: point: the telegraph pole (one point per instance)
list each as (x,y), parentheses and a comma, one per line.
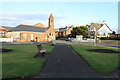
(95,38)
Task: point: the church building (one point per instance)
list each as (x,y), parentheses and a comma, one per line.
(33,33)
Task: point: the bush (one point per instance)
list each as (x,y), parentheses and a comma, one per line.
(109,38)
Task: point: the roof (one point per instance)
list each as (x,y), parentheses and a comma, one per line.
(56,29)
(51,15)
(7,28)
(98,26)
(28,28)
(108,27)
(40,25)
(1,28)
(65,28)
(62,30)
(37,25)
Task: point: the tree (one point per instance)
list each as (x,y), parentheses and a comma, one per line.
(113,32)
(80,30)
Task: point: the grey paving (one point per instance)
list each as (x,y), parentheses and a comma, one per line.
(85,43)
(65,63)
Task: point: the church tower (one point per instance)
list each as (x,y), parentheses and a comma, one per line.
(51,22)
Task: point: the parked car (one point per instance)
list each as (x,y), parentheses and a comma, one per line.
(69,39)
(84,38)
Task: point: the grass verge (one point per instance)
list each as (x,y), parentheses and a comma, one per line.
(104,63)
(20,61)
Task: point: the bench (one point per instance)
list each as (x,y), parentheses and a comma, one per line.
(41,50)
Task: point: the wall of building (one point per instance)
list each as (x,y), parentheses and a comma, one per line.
(37,37)
(24,36)
(104,31)
(2,33)
(69,31)
(50,34)
(14,35)
(6,39)
(32,37)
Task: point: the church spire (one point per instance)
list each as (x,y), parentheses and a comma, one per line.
(51,21)
(51,15)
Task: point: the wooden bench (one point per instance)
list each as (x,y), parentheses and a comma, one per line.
(41,50)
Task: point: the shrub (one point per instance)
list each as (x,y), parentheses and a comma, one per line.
(3,36)
(110,38)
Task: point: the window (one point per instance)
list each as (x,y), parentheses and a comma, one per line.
(50,34)
(47,36)
(2,33)
(39,35)
(104,34)
(23,36)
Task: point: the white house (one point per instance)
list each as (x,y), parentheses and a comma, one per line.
(102,30)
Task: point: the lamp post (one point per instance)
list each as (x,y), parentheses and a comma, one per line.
(95,36)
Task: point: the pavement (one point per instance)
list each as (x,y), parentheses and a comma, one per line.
(63,62)
(89,43)
(105,43)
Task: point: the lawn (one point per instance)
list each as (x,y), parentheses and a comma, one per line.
(0,65)
(20,61)
(103,63)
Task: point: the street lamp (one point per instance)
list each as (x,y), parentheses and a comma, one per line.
(95,36)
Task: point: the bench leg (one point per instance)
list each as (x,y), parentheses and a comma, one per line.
(43,54)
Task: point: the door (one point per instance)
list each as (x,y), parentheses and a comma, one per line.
(32,37)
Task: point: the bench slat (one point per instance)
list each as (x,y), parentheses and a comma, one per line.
(43,50)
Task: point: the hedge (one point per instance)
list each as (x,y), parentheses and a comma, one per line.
(109,38)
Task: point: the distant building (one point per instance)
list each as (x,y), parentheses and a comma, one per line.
(31,33)
(2,31)
(115,35)
(7,27)
(64,31)
(102,30)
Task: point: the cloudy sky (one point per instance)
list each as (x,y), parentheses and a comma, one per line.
(65,13)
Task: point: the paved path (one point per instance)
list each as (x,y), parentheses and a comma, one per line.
(85,43)
(65,63)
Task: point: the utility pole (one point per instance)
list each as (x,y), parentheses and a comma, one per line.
(95,38)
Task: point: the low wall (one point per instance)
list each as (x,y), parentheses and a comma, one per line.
(88,40)
(110,42)
(6,39)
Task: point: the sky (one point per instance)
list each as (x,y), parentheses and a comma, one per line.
(65,13)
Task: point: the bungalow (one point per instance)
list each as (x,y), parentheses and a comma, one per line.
(31,33)
(102,30)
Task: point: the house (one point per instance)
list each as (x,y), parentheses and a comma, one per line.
(7,27)
(102,30)
(31,33)
(65,31)
(2,31)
